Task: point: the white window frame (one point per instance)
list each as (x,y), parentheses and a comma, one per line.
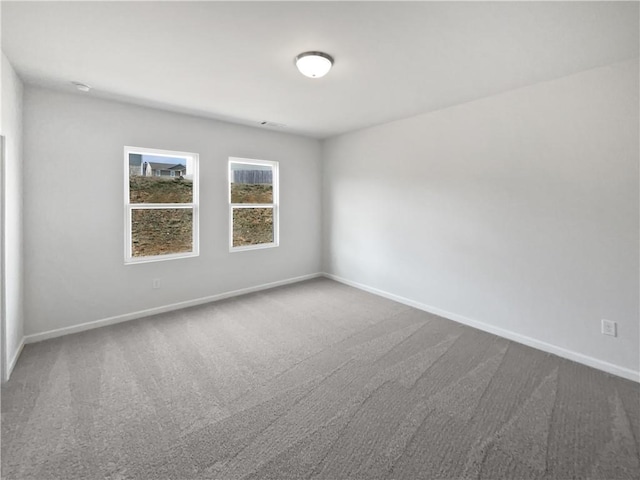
(129,259)
(275,206)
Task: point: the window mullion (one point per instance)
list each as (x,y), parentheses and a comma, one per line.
(151,206)
(252,205)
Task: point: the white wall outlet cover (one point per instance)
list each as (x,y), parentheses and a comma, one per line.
(609,328)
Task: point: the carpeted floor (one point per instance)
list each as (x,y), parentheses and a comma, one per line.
(312,380)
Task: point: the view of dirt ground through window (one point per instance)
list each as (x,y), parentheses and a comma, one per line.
(162,223)
(161,231)
(254,225)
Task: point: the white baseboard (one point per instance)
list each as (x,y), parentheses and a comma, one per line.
(58,332)
(531,342)
(14,360)
(501,332)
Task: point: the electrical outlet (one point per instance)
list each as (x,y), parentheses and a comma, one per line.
(156,283)
(609,328)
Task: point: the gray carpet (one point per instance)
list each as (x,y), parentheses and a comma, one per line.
(313,380)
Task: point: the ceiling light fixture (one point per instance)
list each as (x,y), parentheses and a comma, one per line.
(81,86)
(314,64)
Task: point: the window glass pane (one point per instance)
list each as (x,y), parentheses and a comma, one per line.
(161,231)
(252,226)
(251,183)
(156,179)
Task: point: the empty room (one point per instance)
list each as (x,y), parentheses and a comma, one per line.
(320,240)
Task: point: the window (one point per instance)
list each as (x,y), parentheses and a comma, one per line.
(161,211)
(253,204)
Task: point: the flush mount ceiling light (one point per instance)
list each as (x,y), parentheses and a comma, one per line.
(314,64)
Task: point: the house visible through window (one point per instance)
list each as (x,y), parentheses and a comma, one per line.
(253,203)
(161,204)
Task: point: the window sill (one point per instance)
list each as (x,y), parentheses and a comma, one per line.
(252,247)
(159,258)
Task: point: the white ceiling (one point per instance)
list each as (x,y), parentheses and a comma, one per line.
(234,60)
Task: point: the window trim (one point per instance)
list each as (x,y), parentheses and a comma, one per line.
(129,259)
(275,205)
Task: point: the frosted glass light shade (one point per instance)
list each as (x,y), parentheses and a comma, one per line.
(314,64)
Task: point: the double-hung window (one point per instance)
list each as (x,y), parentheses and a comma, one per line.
(161,204)
(253,204)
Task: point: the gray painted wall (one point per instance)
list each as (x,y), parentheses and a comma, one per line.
(12,288)
(519,211)
(74,224)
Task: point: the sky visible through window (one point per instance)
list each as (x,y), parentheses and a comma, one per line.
(249,166)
